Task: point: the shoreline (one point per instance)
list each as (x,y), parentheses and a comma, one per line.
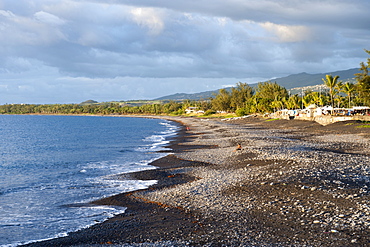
(294,183)
(135,206)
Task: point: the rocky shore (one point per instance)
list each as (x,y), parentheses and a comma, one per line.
(293,183)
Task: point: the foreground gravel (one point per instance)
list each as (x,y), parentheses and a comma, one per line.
(292,184)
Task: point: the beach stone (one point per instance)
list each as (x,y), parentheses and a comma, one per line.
(301,175)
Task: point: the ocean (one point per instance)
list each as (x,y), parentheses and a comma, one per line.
(52,166)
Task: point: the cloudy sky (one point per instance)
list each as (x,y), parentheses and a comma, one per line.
(69,51)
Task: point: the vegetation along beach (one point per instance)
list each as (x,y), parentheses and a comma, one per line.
(293,183)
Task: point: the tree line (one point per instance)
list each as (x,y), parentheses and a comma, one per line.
(268,97)
(242,99)
(93,109)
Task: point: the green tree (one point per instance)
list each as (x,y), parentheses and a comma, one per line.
(348,88)
(268,92)
(172,107)
(316,98)
(308,100)
(240,95)
(294,102)
(264,105)
(222,101)
(271,90)
(331,83)
(277,103)
(363,82)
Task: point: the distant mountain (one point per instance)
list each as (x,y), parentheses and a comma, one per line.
(192,96)
(289,82)
(304,79)
(89,102)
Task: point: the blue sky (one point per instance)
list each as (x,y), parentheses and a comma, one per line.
(69,51)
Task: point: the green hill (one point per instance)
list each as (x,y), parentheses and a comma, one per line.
(193,96)
(304,79)
(89,102)
(294,82)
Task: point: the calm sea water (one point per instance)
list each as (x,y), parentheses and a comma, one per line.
(50,166)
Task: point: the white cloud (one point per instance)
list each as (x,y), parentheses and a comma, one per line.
(7,13)
(24,30)
(287,33)
(48,18)
(149,18)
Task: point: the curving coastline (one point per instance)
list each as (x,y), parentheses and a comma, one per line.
(294,183)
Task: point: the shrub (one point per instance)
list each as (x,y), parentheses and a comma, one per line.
(209,112)
(241,112)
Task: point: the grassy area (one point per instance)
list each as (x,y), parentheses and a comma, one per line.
(272,119)
(219,115)
(363,126)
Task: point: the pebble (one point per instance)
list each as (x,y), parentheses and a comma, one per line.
(306,160)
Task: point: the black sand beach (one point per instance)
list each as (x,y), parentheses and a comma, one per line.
(294,183)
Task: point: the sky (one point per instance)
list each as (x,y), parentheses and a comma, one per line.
(69,51)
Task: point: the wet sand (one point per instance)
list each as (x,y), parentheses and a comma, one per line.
(294,183)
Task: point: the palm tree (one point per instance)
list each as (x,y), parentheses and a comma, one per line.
(294,102)
(307,100)
(277,104)
(316,97)
(348,88)
(331,82)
